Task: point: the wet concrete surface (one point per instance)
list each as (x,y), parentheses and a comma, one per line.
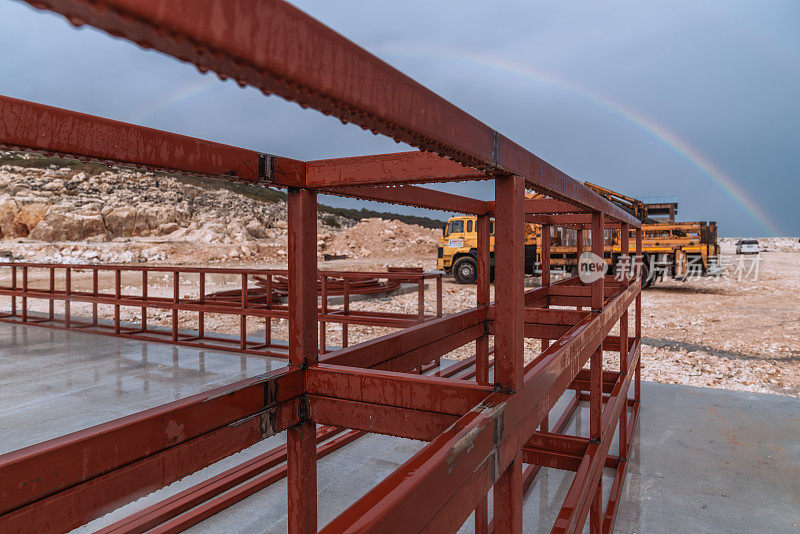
(53,382)
(703,459)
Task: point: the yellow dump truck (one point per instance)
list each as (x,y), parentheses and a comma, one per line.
(669,249)
(673,249)
(458,248)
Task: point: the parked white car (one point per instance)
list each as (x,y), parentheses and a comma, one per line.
(747,246)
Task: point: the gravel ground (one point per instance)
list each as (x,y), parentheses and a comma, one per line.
(727,333)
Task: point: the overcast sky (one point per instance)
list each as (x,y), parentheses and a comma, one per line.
(694,99)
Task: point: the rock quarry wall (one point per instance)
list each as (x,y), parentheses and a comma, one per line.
(59,205)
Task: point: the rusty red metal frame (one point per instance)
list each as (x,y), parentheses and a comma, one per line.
(481,434)
(58,285)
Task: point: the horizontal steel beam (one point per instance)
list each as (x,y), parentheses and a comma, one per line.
(277,48)
(569,220)
(544,206)
(410,195)
(379,418)
(387,169)
(590,469)
(430,393)
(462,463)
(35,127)
(428,340)
(74,478)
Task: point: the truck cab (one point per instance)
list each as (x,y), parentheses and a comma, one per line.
(458,249)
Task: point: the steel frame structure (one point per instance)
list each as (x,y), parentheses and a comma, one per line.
(480,433)
(257,303)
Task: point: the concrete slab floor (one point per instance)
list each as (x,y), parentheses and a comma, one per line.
(704,460)
(53,382)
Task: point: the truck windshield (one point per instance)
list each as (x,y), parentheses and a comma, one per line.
(455,227)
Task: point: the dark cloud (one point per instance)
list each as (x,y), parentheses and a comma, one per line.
(640,96)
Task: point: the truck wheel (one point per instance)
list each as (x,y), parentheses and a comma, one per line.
(647,280)
(465,270)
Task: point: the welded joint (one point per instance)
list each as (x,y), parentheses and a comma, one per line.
(268,422)
(266,168)
(596,441)
(304,408)
(496,148)
(499,388)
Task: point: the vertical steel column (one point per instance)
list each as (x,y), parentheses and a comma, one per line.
(346,310)
(67,291)
(638,325)
(578,251)
(323,343)
(144,298)
(421,300)
(95,292)
(544,257)
(24,293)
(509,341)
(52,303)
(201,318)
(624,262)
(268,319)
(598,248)
(596,373)
(14,288)
(303,350)
(176,291)
(118,297)
(483,292)
(439,296)
(243,317)
(482,343)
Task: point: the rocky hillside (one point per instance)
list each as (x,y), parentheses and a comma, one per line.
(62,214)
(60,205)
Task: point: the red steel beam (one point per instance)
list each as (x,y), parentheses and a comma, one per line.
(155,514)
(62,483)
(39,128)
(396,168)
(40,470)
(591,466)
(411,195)
(303,342)
(277,48)
(379,418)
(89,500)
(462,463)
(510,339)
(430,393)
(543,206)
(428,339)
(571,220)
(213,494)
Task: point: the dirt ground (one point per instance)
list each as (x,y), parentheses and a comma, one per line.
(722,333)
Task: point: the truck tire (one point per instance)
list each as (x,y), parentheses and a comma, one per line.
(465,270)
(647,280)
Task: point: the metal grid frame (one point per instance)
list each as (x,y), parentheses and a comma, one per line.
(257,303)
(479,434)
